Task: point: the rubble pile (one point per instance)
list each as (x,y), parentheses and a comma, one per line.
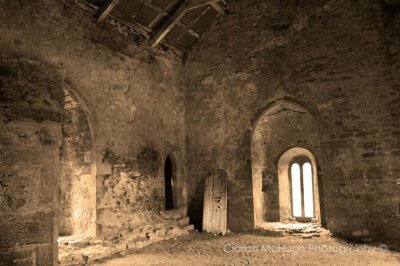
(84,251)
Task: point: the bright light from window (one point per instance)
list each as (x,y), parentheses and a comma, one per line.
(308,191)
(296,190)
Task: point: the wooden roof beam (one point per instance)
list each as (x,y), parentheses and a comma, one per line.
(150,3)
(194,22)
(170,23)
(218,8)
(106,9)
(189,30)
(194,4)
(185,7)
(162,14)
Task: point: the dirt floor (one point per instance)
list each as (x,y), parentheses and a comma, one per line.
(240,249)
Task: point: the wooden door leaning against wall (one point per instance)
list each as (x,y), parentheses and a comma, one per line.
(215,203)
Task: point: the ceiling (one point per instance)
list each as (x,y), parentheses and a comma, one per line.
(176,24)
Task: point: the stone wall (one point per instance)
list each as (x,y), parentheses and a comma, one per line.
(338,59)
(30,137)
(132,97)
(127,197)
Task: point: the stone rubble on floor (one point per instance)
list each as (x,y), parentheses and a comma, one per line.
(313,230)
(303,230)
(84,251)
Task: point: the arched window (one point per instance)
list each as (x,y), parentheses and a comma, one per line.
(302,192)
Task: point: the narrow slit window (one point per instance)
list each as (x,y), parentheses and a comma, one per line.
(296,190)
(308,191)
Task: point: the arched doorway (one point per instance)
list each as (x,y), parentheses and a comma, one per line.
(279,130)
(170,184)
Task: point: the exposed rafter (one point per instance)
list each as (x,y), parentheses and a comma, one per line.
(193,4)
(218,8)
(194,22)
(170,23)
(189,30)
(106,9)
(162,14)
(150,3)
(174,19)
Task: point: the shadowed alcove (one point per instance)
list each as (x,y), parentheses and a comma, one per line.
(171,183)
(168,174)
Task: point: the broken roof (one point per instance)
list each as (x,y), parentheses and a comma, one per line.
(177,24)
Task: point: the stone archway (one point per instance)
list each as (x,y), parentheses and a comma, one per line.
(283,126)
(177,191)
(78,171)
(170,183)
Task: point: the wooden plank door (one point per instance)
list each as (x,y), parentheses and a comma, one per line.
(215,203)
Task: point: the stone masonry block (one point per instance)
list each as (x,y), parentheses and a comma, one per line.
(17,229)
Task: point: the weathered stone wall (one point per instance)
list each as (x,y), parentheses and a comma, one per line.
(133,100)
(340,60)
(30,137)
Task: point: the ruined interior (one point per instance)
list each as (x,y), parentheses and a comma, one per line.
(191,132)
